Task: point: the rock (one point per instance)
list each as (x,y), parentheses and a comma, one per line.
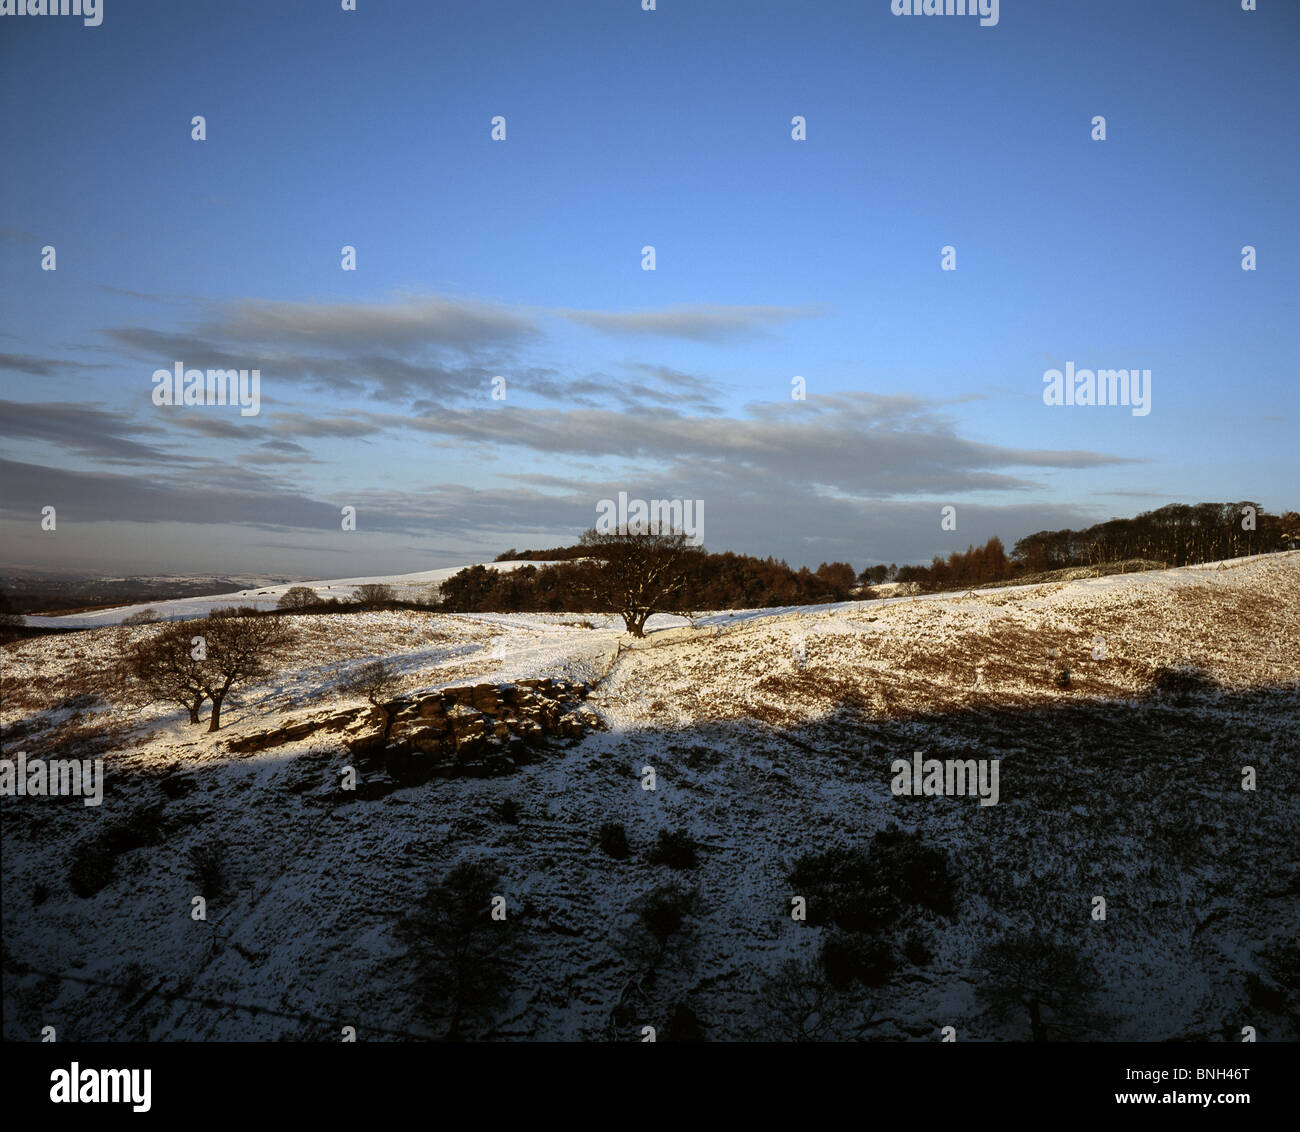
(478,723)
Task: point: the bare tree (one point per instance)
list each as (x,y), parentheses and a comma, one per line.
(239,649)
(378,681)
(799,1004)
(458,948)
(636,575)
(169,665)
(1034,974)
(373,593)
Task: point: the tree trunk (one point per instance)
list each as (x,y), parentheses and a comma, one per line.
(1036,1022)
(194,711)
(389,715)
(215,722)
(635,623)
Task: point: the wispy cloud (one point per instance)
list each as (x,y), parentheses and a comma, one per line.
(104,434)
(696,322)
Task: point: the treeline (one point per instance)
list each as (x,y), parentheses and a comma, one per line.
(973,567)
(1175,535)
(717,581)
(1178,534)
(555,554)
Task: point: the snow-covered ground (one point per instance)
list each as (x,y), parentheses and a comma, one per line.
(420,586)
(771,739)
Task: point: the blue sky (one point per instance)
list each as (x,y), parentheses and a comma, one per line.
(522,258)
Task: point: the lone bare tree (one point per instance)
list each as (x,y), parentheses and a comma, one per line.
(799,1004)
(378,681)
(638,574)
(239,649)
(1034,974)
(169,665)
(460,949)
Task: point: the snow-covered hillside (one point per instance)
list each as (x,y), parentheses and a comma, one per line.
(420,586)
(771,739)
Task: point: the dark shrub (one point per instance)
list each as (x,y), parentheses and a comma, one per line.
(676,849)
(508,811)
(176,785)
(91,867)
(143,828)
(207,871)
(915,950)
(1181,683)
(92,861)
(862,891)
(838,886)
(663,910)
(1263,996)
(1062,678)
(684,1025)
(613,840)
(914,873)
(849,958)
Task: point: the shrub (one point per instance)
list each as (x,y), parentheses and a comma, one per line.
(676,848)
(298,597)
(141,829)
(613,840)
(1263,996)
(916,874)
(93,859)
(207,871)
(176,785)
(91,867)
(662,912)
(848,958)
(916,951)
(862,891)
(840,889)
(508,811)
(1181,682)
(684,1025)
(141,617)
(1062,678)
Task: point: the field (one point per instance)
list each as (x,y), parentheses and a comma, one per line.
(1123,710)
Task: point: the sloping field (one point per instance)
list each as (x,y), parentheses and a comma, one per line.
(772,740)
